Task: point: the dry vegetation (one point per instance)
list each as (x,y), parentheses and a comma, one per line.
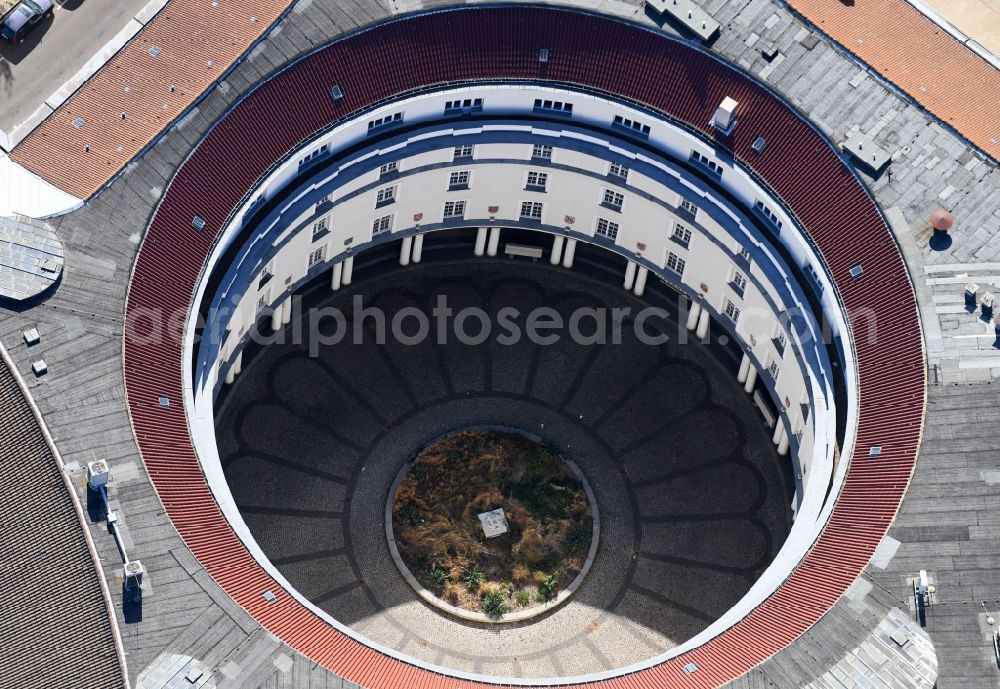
(439,536)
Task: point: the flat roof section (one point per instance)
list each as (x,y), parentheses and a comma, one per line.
(152,80)
(940,73)
(977,19)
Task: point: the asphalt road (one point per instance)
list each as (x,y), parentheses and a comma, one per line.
(55,51)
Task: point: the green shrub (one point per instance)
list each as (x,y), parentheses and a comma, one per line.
(540,463)
(410,514)
(473,577)
(523,597)
(436,579)
(494,604)
(547,587)
(578,538)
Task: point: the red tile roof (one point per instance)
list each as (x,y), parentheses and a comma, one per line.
(936,70)
(585,50)
(195,41)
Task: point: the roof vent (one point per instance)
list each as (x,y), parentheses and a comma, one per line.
(154,51)
(134,572)
(543,54)
(79,122)
(198,223)
(691,668)
(725,115)
(40,368)
(875,451)
(97,474)
(336,92)
(164,401)
(759,144)
(269,596)
(857,271)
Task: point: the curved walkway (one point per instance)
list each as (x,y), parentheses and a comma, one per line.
(693,501)
(669,76)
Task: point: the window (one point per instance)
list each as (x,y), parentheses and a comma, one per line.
(632,126)
(537,181)
(385,196)
(681,235)
(458,180)
(531,210)
(745,255)
(780,341)
(459,107)
(554,107)
(394,118)
(316,256)
(388,168)
(314,155)
(613,200)
(689,207)
(263,299)
(675,263)
(266,275)
(731,311)
(464,151)
(618,170)
(325,199)
(383,224)
(541,152)
(706,162)
(814,278)
(768,214)
(454,209)
(772,369)
(320,229)
(739,283)
(606,228)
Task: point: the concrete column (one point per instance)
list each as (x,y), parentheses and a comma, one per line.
(237,368)
(640,281)
(557,247)
(569,253)
(491,248)
(693,313)
(230,376)
(418,248)
(629,275)
(348,270)
(751,380)
(480,241)
(338,276)
(783,445)
(703,322)
(405,249)
(744,369)
(286,312)
(779,432)
(276,318)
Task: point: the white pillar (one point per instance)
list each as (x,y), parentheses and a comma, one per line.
(418,248)
(693,313)
(629,275)
(640,280)
(276,318)
(779,432)
(405,249)
(480,241)
(751,380)
(491,248)
(703,321)
(286,312)
(783,445)
(237,364)
(230,376)
(348,270)
(744,369)
(557,247)
(569,253)
(338,276)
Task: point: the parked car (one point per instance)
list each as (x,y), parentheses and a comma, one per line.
(25,16)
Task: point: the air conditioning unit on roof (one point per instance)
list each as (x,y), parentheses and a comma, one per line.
(98,474)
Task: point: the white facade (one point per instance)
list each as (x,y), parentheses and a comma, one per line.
(657,214)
